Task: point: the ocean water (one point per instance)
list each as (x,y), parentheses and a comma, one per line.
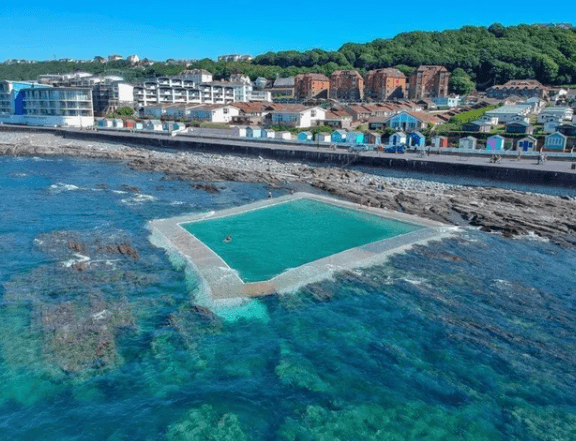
(471,338)
(267,241)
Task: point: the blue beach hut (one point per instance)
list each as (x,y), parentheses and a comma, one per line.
(253,132)
(268,133)
(304,136)
(416,139)
(555,141)
(398,138)
(495,142)
(339,136)
(355,137)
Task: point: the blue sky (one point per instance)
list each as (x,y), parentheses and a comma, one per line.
(176,29)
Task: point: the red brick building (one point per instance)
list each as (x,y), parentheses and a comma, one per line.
(384,84)
(346,85)
(311,85)
(428,82)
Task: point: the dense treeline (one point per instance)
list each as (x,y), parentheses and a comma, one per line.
(488,55)
(484,56)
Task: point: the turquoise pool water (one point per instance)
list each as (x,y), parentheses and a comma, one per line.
(267,241)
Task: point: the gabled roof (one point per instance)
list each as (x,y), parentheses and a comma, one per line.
(557,134)
(284,82)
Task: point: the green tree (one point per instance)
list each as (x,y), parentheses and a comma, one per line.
(460,82)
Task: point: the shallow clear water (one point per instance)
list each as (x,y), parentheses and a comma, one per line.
(471,338)
(267,241)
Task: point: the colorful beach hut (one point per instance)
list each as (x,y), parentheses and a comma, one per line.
(555,141)
(241,132)
(416,139)
(268,133)
(284,135)
(354,137)
(139,126)
(305,136)
(373,138)
(339,136)
(117,123)
(440,141)
(495,143)
(253,132)
(324,137)
(526,144)
(398,138)
(129,124)
(468,143)
(155,125)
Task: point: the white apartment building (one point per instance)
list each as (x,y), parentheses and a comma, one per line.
(45,105)
(166,90)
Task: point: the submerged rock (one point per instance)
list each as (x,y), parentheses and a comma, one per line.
(121,248)
(209,188)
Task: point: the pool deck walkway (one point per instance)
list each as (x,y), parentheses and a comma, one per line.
(225,283)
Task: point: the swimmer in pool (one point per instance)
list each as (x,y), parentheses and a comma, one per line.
(228,239)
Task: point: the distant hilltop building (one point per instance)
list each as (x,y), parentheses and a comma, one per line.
(115,57)
(521,88)
(555,25)
(133,59)
(385,84)
(197,76)
(234,57)
(428,82)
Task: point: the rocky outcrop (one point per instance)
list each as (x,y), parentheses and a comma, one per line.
(508,212)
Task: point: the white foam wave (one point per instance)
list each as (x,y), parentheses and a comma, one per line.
(139,199)
(61,187)
(79,258)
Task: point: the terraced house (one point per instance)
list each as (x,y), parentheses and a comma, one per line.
(521,88)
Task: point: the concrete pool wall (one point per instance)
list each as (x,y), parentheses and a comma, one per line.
(224,283)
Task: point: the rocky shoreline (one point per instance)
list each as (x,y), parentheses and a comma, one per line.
(511,213)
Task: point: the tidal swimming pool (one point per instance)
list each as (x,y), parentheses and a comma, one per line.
(269,240)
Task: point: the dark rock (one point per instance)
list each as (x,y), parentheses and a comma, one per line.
(74,245)
(209,188)
(122,248)
(205,313)
(130,188)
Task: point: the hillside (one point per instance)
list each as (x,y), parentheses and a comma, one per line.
(489,56)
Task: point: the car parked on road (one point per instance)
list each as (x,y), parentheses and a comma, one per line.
(360,148)
(395,149)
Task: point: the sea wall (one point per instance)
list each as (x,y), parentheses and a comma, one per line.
(310,154)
